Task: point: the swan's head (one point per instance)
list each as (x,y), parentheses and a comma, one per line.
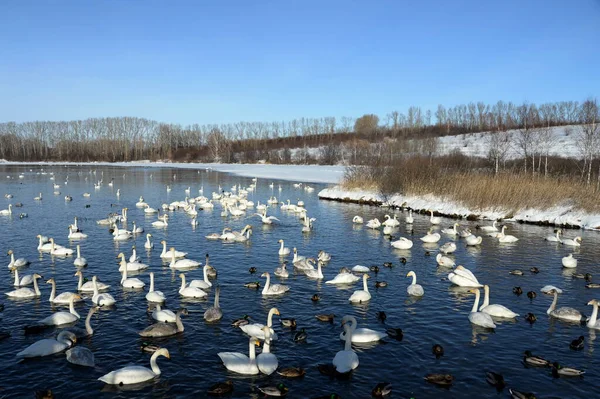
(254,341)
(578,239)
(121,255)
(366,276)
(411,273)
(265,274)
(50,281)
(181,275)
(163,242)
(276,311)
(94,278)
(486,288)
(295,250)
(474,291)
(67,336)
(172,249)
(280,241)
(163,352)
(347,319)
(52,240)
(78,273)
(593,302)
(148,235)
(10,252)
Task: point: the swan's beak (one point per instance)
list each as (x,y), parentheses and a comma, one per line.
(257,343)
(49,281)
(277,313)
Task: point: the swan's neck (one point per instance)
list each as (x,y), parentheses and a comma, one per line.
(53,292)
(88,326)
(17,282)
(72,308)
(148,240)
(80,282)
(252,350)
(217,292)
(319,271)
(78,252)
(35,287)
(592,321)
(178,322)
(164,251)
(172,264)
(205,272)
(207,258)
(486,298)
(124,264)
(153,364)
(266,289)
(365,287)
(281,248)
(348,343)
(95,284)
(12,258)
(182,282)
(553,305)
(270,316)
(414,279)
(151,282)
(476,303)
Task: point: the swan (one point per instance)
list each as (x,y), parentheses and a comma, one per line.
(593,322)
(448,248)
(444,261)
(451,231)
(134,256)
(344,277)
(128,282)
(80,356)
(63,298)
(181,263)
(569,261)
(434,219)
(80,261)
(49,346)
(169,254)
(22,281)
(58,250)
(275,289)
(161,223)
(283,251)
(88,331)
(14,263)
(148,244)
(256,329)
(154,296)
(312,273)
(131,266)
(297,258)
(323,256)
(402,243)
(575,242)
(490,229)
(60,318)
(357,219)
(161,329)
(214,313)
(203,284)
(282,271)
(360,296)
(506,238)
(360,269)
(554,238)
(564,313)
(547,289)
(480,318)
(464,233)
(164,315)
(27,292)
(495,310)
(391,222)
(88,287)
(360,335)
(149,210)
(38,198)
(388,230)
(45,245)
(414,289)
(266,361)
(431,237)
(121,234)
(473,240)
(463,278)
(240,363)
(308,224)
(74,234)
(266,219)
(190,292)
(374,224)
(101,299)
(244,235)
(409,219)
(6,212)
(135,374)
(346,360)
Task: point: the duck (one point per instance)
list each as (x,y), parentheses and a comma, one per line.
(495,310)
(577,344)
(514,394)
(267,362)
(360,335)
(344,277)
(346,360)
(239,362)
(190,292)
(15,263)
(530,317)
(164,315)
(292,372)
(135,374)
(431,237)
(472,240)
(214,313)
(26,292)
(283,251)
(63,298)
(409,219)
(357,220)
(290,323)
(463,277)
(126,282)
(437,350)
(220,389)
(554,237)
(256,329)
(434,219)
(101,299)
(414,289)
(560,371)
(148,244)
(452,230)
(444,261)
(569,261)
(532,360)
(275,289)
(328,318)
(88,287)
(531,294)
(480,318)
(448,248)
(167,255)
(300,336)
(575,242)
(440,379)
(505,238)
(402,243)
(315,298)
(61,318)
(564,313)
(363,295)
(181,263)
(49,346)
(161,329)
(152,295)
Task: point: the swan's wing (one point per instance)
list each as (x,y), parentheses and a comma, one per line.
(267,363)
(128,375)
(43,347)
(345,361)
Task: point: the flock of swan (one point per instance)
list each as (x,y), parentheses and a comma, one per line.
(235,203)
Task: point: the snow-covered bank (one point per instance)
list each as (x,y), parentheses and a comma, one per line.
(563,215)
(301,173)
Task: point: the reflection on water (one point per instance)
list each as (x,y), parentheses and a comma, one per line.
(440,316)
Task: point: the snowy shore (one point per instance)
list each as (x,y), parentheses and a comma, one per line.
(563,215)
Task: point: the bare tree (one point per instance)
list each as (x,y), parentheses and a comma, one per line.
(499,145)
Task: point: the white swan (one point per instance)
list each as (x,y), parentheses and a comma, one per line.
(297,258)
(360,335)
(266,361)
(360,269)
(312,273)
(592,321)
(490,229)
(181,263)
(564,313)
(14,263)
(463,278)
(164,315)
(131,266)
(256,329)
(409,219)
(504,238)
(434,219)
(21,281)
(391,222)
(346,360)
(80,261)
(6,212)
(323,256)
(495,310)
(275,289)
(282,271)
(74,234)
(161,222)
(148,244)
(451,231)
(554,237)
(129,282)
(480,318)
(575,242)
(152,295)
(88,287)
(357,219)
(240,363)
(59,250)
(402,243)
(569,261)
(448,248)
(44,244)
(203,284)
(431,237)
(134,256)
(473,240)
(190,292)
(101,299)
(547,289)
(266,219)
(444,261)
(374,224)
(135,374)
(26,292)
(80,356)
(414,289)
(344,277)
(360,296)
(60,318)
(63,298)
(283,251)
(167,255)
(49,346)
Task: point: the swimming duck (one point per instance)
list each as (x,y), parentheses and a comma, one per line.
(325,317)
(437,350)
(532,360)
(560,371)
(577,344)
(440,379)
(292,372)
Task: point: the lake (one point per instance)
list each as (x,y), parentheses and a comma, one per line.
(439,317)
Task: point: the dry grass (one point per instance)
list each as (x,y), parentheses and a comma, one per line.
(475,189)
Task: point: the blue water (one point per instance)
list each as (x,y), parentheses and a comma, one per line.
(439,317)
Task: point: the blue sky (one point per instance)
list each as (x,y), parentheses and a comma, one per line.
(217,62)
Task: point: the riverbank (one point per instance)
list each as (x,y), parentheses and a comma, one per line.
(563,215)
